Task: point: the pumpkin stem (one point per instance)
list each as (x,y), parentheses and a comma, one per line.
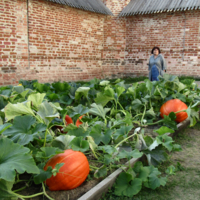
(125,139)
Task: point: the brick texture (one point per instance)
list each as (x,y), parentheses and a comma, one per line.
(60,43)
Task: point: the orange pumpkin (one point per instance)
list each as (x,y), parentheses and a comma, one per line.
(174,105)
(68,120)
(72,174)
(78,122)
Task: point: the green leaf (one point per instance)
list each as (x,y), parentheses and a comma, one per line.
(106,137)
(169,120)
(13,110)
(11,160)
(63,141)
(156,156)
(132,90)
(103,99)
(78,132)
(95,133)
(57,168)
(18,89)
(4,127)
(43,175)
(119,90)
(104,83)
(47,152)
(154,180)
(101,172)
(82,91)
(144,173)
(166,141)
(150,113)
(162,130)
(47,112)
(126,186)
(36,99)
(107,149)
(80,109)
(61,87)
(149,85)
(6,190)
(21,132)
(123,131)
(126,154)
(137,104)
(98,110)
(170,170)
(41,87)
(78,144)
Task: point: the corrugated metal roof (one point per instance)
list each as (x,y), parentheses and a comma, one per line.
(89,5)
(141,7)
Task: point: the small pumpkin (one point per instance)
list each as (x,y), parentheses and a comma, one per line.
(72,174)
(68,120)
(78,122)
(174,105)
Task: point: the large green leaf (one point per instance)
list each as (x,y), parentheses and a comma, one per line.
(4,127)
(78,144)
(126,154)
(102,99)
(163,129)
(98,110)
(81,91)
(36,99)
(154,179)
(122,131)
(18,89)
(6,190)
(47,152)
(63,141)
(14,157)
(47,112)
(125,186)
(61,87)
(22,131)
(13,110)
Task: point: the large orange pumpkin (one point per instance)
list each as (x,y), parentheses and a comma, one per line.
(174,105)
(72,174)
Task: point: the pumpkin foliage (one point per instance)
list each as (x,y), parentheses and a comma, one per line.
(72,174)
(174,105)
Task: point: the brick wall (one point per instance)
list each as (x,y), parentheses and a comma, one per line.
(177,34)
(66,44)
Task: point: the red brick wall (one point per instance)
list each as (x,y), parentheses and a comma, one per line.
(70,44)
(165,30)
(13,40)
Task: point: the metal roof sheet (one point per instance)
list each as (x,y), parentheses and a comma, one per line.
(141,7)
(89,5)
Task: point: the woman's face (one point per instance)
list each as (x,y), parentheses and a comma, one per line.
(155,52)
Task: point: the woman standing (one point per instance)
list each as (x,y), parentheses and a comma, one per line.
(157,64)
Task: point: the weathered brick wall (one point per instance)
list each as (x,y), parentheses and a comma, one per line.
(70,44)
(65,43)
(113,57)
(177,34)
(13,40)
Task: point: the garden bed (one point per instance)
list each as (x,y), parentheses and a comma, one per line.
(110,122)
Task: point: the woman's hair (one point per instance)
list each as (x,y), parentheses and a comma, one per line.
(154,49)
